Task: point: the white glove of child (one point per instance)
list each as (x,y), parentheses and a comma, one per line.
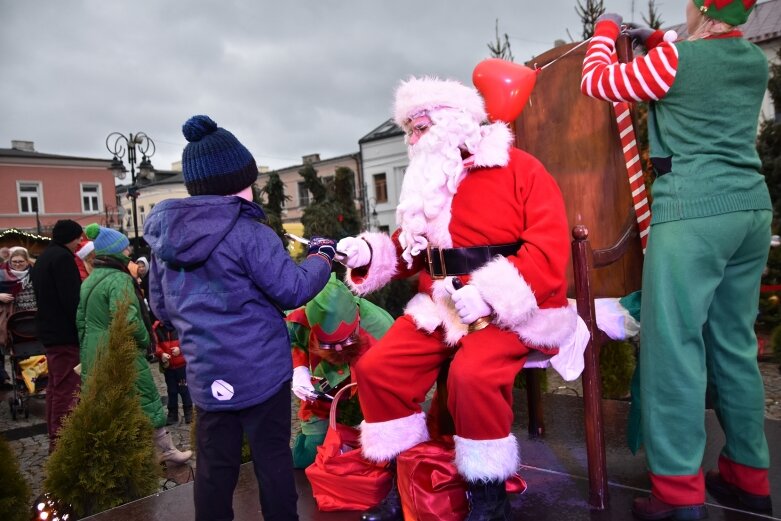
(470,305)
(356,252)
(302,384)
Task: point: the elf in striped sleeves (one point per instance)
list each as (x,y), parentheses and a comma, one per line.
(709,241)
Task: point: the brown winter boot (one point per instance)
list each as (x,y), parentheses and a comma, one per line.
(651,508)
(168,451)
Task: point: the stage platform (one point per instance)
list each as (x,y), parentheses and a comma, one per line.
(554,467)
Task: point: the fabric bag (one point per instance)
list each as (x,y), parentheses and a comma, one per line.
(341,478)
(430,486)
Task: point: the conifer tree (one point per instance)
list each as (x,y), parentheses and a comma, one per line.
(588,14)
(105,454)
(332,212)
(769,148)
(14,490)
(653,21)
(344,196)
(274,192)
(501,49)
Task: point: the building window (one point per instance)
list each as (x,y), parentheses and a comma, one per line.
(90,198)
(29,197)
(303,195)
(380,188)
(142,215)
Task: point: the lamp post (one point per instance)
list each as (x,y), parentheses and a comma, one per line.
(117,144)
(374,221)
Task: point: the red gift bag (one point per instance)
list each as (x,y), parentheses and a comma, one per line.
(341,478)
(430,486)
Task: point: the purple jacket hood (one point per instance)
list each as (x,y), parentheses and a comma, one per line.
(175,229)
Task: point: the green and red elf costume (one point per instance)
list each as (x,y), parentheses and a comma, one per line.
(328,335)
(708,245)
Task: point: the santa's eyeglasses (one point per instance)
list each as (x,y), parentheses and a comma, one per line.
(348,342)
(419,129)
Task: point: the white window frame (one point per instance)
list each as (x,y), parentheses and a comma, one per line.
(376,185)
(303,201)
(99,195)
(38,195)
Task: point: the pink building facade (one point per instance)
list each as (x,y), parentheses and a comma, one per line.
(37,190)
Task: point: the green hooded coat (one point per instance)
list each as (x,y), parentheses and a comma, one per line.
(100,293)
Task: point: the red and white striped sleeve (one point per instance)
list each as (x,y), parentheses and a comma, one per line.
(645,78)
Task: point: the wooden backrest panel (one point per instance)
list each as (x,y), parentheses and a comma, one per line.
(576,138)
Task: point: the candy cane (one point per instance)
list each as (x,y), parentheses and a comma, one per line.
(633,169)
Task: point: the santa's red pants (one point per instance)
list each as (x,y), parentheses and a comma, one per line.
(395,375)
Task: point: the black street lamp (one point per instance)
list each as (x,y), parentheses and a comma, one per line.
(374,221)
(117,143)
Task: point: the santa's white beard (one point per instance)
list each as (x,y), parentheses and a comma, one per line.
(431,179)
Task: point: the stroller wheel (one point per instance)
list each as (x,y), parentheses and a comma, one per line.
(13,408)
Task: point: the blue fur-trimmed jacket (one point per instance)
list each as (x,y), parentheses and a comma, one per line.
(222,279)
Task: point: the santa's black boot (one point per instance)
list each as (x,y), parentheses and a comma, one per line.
(488,501)
(389,508)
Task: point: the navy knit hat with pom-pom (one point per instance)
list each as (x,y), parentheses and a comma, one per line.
(214,162)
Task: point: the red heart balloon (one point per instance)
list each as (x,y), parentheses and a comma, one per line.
(505,87)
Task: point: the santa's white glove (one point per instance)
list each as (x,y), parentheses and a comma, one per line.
(470,305)
(356,252)
(302,384)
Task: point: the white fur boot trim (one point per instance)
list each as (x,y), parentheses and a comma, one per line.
(487,460)
(383,441)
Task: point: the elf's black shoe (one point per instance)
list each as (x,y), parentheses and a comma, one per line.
(733,496)
(650,508)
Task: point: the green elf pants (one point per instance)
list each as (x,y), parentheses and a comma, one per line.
(311,436)
(701,282)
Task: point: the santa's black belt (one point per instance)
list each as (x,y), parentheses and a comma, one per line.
(443,262)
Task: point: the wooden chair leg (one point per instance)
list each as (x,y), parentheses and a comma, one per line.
(592,391)
(534,402)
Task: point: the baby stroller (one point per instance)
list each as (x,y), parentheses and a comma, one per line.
(28,362)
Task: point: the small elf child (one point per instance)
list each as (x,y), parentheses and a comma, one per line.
(327,336)
(175,371)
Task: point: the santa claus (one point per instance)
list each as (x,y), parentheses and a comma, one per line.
(484,226)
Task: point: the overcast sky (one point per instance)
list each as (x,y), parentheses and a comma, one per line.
(287,77)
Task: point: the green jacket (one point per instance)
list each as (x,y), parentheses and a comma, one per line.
(100,294)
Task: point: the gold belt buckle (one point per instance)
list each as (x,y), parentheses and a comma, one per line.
(431,263)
